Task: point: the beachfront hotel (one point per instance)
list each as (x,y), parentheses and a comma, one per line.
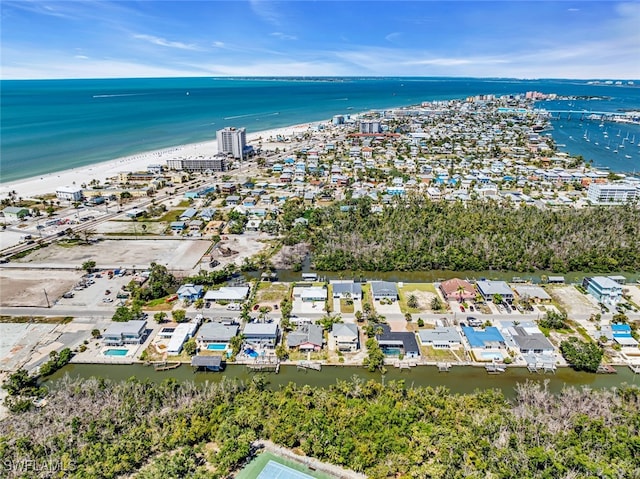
(211,164)
(232,141)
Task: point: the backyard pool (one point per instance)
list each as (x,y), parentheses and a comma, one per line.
(251,353)
(116,352)
(489,356)
(392,351)
(217,347)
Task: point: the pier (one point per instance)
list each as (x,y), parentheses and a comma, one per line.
(444,367)
(165,366)
(495,368)
(306,365)
(264,367)
(635,368)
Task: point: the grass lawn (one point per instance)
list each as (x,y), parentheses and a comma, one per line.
(409,288)
(441,355)
(345,307)
(366,296)
(271,292)
(171,215)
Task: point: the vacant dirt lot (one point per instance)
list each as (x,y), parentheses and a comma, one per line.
(573,301)
(20,287)
(176,255)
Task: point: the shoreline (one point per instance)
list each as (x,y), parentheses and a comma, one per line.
(46,184)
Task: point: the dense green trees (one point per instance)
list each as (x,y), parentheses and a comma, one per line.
(581,355)
(419,234)
(106,430)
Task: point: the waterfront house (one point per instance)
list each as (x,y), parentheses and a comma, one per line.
(604,289)
(486,338)
(620,333)
(216,333)
(182,333)
(130,332)
(227,293)
(190,292)
(384,290)
(395,343)
(529,339)
(261,335)
(345,337)
(536,293)
(346,289)
(440,337)
(308,337)
(211,363)
(490,288)
(456,289)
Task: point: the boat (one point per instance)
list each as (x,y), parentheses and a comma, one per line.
(627,156)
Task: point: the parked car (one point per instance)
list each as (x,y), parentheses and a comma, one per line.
(462,308)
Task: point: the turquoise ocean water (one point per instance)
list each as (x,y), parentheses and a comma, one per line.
(52,125)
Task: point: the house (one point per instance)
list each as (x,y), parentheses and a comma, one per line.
(216,333)
(346,337)
(195,226)
(190,292)
(346,289)
(15,213)
(180,335)
(457,289)
(314,293)
(232,200)
(529,339)
(178,225)
(440,337)
(604,289)
(383,290)
(207,214)
(490,288)
(261,335)
(621,334)
(486,338)
(393,343)
(130,332)
(188,214)
(308,337)
(532,292)
(227,293)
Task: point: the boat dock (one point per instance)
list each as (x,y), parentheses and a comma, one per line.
(495,368)
(264,367)
(444,367)
(606,369)
(306,365)
(635,368)
(165,366)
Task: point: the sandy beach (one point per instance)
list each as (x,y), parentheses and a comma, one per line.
(47,184)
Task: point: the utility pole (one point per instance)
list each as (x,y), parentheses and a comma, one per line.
(47,298)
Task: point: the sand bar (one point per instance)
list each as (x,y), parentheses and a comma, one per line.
(46,184)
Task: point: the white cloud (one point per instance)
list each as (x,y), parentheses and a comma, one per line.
(392,37)
(268,11)
(283,36)
(218,44)
(81,57)
(166,43)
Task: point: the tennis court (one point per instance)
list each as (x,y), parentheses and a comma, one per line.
(273,470)
(271,466)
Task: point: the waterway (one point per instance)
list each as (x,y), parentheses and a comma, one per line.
(459,379)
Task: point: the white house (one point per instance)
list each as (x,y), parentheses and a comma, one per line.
(69,193)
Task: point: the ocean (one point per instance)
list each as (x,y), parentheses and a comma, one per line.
(53,125)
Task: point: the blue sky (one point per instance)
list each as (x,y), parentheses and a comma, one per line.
(520,39)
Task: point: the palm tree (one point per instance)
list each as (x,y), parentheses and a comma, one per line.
(460,290)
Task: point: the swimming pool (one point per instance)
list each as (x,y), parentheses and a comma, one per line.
(392,351)
(251,353)
(116,352)
(216,347)
(488,356)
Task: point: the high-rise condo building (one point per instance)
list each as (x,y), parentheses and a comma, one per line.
(232,141)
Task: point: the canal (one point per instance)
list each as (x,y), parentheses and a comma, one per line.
(459,379)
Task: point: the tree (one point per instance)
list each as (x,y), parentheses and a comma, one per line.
(89,266)
(375,356)
(359,317)
(412,301)
(553,320)
(199,303)
(497,298)
(190,346)
(408,317)
(282,352)
(436,304)
(122,315)
(179,315)
(160,317)
(582,356)
(95,333)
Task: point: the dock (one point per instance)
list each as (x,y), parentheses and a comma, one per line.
(306,365)
(606,369)
(444,367)
(165,366)
(635,368)
(495,368)
(264,367)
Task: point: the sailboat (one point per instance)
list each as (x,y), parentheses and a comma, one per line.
(633,140)
(608,147)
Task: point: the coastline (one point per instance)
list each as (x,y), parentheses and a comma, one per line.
(46,184)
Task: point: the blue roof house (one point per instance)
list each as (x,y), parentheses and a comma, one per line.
(190,292)
(486,338)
